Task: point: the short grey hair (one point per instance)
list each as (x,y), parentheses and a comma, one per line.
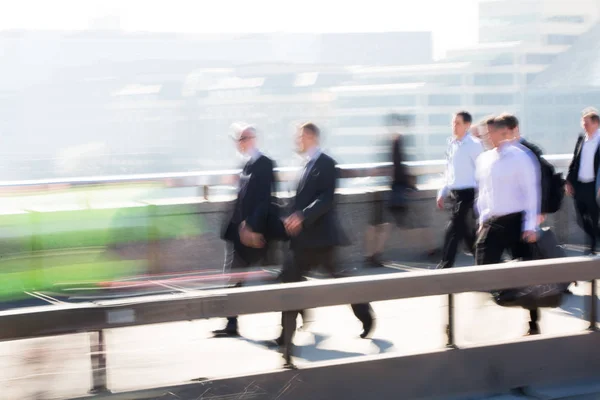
(249,129)
(239,128)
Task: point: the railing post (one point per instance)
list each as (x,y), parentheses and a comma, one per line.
(98,358)
(154,266)
(450,328)
(593,325)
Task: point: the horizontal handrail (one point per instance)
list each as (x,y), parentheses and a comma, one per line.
(93,316)
(224,177)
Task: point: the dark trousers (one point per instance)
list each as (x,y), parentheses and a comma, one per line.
(298,263)
(534,317)
(502,234)
(235,261)
(587,210)
(459,227)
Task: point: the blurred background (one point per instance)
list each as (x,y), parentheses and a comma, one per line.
(91,90)
(118,87)
(95,89)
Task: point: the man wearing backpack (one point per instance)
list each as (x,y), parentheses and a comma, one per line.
(551,183)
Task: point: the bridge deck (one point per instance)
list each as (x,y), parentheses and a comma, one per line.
(151,356)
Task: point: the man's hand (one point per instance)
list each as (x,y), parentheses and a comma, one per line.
(440,203)
(530,236)
(569,189)
(293,224)
(250,238)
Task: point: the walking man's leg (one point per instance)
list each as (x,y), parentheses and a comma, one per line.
(233,262)
(458,227)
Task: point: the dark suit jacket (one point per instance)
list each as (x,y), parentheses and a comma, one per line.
(253,201)
(574,166)
(534,148)
(315,199)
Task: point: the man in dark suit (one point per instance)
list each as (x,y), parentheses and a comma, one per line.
(582,176)
(250,208)
(313,227)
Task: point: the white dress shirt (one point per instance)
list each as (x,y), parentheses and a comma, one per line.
(507,184)
(461,158)
(586,162)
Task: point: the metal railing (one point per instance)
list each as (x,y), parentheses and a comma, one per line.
(226,177)
(97,316)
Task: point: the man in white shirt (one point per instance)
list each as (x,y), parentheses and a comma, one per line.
(463,150)
(508,199)
(581,178)
(508,202)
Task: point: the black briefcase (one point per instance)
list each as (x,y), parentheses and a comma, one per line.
(537,296)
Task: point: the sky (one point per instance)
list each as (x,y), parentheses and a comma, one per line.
(453,23)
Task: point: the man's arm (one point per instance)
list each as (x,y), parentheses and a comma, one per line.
(480,201)
(572,174)
(265,180)
(527,181)
(326,184)
(443,192)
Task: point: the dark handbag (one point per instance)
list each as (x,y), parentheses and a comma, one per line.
(531,297)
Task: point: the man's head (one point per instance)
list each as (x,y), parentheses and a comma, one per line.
(461,122)
(512,123)
(590,121)
(244,137)
(307,137)
(498,131)
(483,128)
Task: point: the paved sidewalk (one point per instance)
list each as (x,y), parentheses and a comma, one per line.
(167,354)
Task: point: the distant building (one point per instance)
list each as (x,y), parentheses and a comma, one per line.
(557,96)
(166,101)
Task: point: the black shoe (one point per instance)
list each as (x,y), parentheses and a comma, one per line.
(534,329)
(367,328)
(532,332)
(373,261)
(275,343)
(227,332)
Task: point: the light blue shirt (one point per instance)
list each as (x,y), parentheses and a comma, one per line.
(255,154)
(461,159)
(507,184)
(311,156)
